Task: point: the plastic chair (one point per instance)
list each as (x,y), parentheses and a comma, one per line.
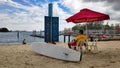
(81,43)
(94,45)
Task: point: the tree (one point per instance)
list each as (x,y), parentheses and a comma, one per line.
(4,30)
(76,27)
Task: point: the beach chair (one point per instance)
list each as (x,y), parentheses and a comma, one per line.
(93,46)
(80,45)
(88,48)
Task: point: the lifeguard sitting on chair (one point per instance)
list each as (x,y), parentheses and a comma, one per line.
(79,37)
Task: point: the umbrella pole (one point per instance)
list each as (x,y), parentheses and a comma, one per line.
(86,33)
(86,30)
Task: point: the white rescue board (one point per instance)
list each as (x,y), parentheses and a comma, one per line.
(56,51)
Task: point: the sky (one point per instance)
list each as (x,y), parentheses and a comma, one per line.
(28,15)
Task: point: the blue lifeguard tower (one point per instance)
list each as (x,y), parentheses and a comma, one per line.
(51,26)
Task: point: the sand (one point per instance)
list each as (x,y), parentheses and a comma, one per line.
(21,56)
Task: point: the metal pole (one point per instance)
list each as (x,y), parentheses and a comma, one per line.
(86,30)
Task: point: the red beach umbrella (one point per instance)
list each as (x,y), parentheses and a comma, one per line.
(87,15)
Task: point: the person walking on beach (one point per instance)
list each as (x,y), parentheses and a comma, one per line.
(80,36)
(24,41)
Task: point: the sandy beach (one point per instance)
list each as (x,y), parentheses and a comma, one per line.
(21,56)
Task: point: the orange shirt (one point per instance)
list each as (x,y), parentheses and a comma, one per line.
(81,36)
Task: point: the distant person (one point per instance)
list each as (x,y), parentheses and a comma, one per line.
(74,42)
(24,41)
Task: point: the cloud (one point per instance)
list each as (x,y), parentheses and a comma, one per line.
(114,4)
(93,0)
(77,5)
(31,19)
(30,16)
(59,12)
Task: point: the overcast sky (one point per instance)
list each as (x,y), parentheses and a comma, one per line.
(29,14)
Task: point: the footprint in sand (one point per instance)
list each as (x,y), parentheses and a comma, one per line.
(91,67)
(112,61)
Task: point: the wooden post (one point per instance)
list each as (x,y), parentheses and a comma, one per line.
(68,38)
(64,38)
